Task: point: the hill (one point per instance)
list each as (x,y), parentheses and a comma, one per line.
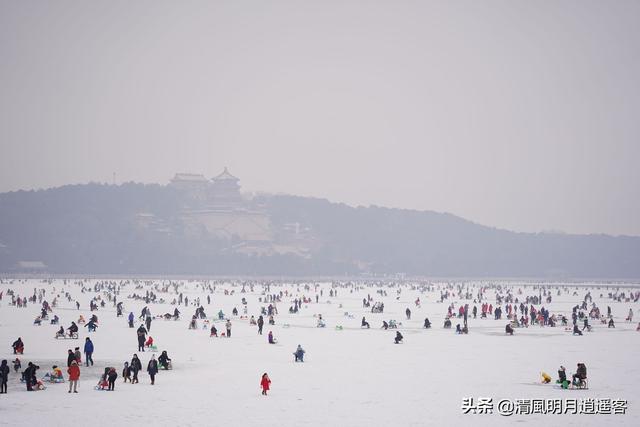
(145,229)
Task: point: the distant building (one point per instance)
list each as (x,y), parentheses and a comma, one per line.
(225,191)
(221,211)
(194,185)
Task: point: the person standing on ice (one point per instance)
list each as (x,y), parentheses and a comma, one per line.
(126,372)
(142,335)
(131,319)
(260,324)
(88,351)
(228,326)
(408,313)
(135,366)
(111,377)
(148,323)
(152,369)
(265,383)
(4,376)
(74,376)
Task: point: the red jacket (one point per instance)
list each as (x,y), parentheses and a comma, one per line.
(74,372)
(265,383)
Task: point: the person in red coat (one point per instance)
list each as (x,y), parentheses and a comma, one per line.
(264,383)
(74,376)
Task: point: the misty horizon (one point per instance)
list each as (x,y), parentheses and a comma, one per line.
(518,115)
(262,192)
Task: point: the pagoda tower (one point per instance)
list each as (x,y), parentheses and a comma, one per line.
(225,191)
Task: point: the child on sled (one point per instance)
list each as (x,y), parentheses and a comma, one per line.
(103,382)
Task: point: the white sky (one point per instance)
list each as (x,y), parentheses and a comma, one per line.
(517,114)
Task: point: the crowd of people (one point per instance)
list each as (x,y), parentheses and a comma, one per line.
(522,306)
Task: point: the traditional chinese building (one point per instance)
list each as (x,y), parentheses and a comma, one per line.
(221,211)
(194,185)
(224,191)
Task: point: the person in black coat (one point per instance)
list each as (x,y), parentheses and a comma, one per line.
(164,360)
(581,374)
(4,376)
(30,375)
(73,328)
(126,372)
(427,323)
(71,357)
(135,366)
(152,369)
(142,334)
(111,377)
(17,346)
(260,324)
(364,323)
(399,337)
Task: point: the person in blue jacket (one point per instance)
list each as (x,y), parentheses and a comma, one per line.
(299,354)
(131,318)
(88,351)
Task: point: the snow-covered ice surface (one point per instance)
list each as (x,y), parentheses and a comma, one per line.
(351,377)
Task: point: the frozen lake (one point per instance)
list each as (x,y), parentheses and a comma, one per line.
(350,377)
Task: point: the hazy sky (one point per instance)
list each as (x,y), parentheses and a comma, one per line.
(517,114)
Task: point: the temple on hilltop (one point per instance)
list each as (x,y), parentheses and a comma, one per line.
(217,208)
(193,184)
(221,192)
(225,191)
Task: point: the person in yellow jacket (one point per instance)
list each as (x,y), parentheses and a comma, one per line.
(546,379)
(56,372)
